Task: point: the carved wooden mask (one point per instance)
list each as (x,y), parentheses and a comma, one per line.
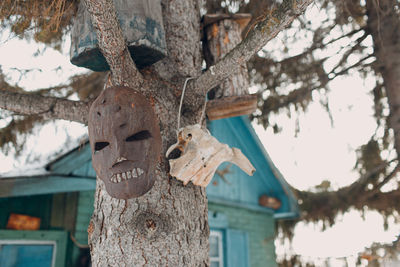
(125,139)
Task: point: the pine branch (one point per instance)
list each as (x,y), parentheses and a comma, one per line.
(385,203)
(326,205)
(276,102)
(112,43)
(46,107)
(320,45)
(257,38)
(18,127)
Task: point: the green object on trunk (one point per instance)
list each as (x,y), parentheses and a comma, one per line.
(142,27)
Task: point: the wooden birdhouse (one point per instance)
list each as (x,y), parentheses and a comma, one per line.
(142,26)
(222,32)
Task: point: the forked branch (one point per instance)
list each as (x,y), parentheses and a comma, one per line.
(112,43)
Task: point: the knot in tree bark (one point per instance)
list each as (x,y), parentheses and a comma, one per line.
(151,226)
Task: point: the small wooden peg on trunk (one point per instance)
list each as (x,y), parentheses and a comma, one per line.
(231,98)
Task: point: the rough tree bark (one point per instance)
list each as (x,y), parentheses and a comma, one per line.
(222,33)
(47,107)
(168,225)
(383,24)
(222,36)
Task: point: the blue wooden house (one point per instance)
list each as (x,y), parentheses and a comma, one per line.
(241,230)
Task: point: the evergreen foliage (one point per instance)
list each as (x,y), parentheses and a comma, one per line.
(44,20)
(288,80)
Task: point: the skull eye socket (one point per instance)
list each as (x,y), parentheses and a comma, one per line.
(100,145)
(142,135)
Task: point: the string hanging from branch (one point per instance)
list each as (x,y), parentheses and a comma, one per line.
(201,153)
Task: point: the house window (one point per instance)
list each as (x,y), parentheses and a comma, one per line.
(216,251)
(27,253)
(33,248)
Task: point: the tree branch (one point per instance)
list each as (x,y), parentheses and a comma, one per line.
(112,43)
(326,205)
(266,30)
(362,182)
(47,107)
(349,52)
(344,71)
(320,45)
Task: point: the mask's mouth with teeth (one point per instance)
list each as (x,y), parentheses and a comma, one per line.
(125,176)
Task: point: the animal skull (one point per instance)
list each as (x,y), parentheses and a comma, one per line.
(201,156)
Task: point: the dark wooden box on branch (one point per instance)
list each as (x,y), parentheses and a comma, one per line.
(142,26)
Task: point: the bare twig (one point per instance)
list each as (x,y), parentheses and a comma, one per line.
(345,70)
(350,51)
(320,45)
(385,180)
(365,179)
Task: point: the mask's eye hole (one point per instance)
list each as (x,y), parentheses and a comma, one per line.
(142,135)
(100,145)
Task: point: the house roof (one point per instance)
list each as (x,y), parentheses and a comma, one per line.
(73,172)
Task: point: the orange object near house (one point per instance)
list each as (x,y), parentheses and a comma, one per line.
(23,222)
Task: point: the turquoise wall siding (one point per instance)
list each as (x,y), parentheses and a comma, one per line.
(259,226)
(83,215)
(36,206)
(77,162)
(236,185)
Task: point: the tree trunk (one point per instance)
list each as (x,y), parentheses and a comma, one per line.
(384,24)
(168,225)
(221,37)
(222,33)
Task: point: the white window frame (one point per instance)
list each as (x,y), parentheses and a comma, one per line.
(220,258)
